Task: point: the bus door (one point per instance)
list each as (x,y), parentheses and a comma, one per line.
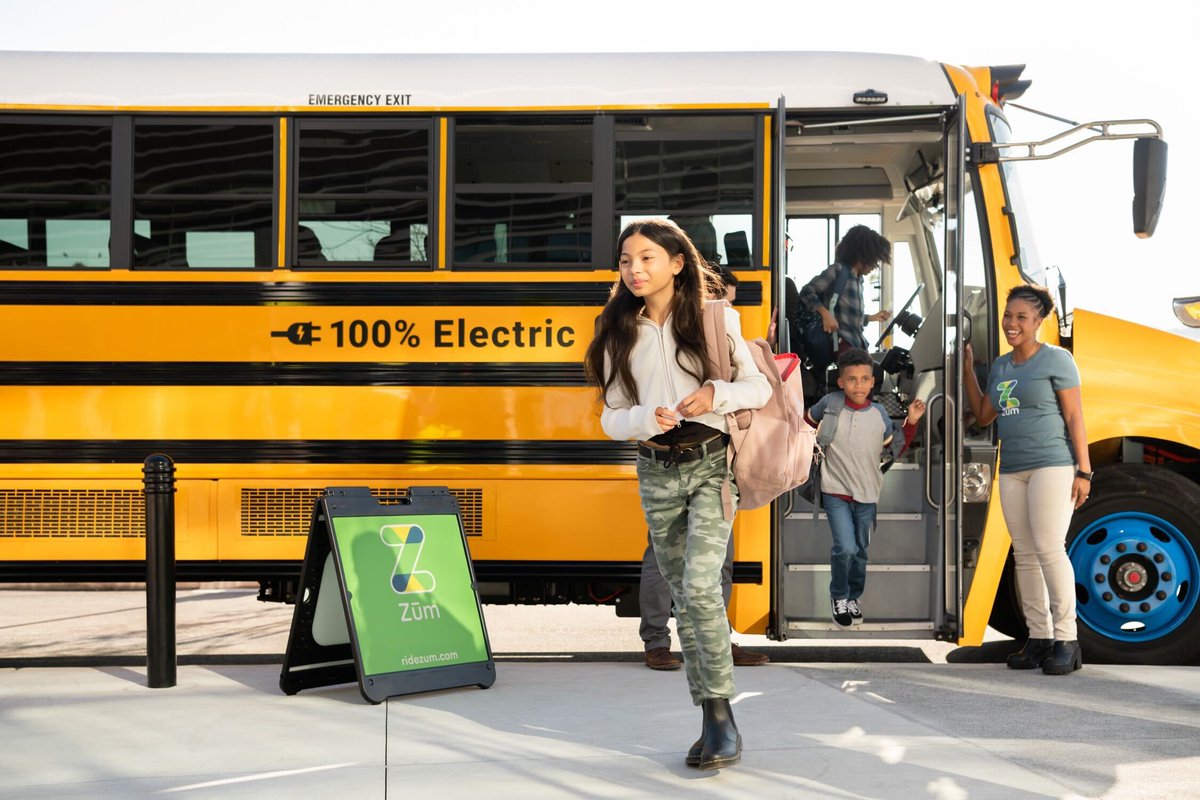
(948,501)
(913,585)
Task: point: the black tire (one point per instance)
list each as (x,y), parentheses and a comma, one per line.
(1146,504)
(1007,617)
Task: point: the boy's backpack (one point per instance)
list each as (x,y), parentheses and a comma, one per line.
(826,431)
(771,448)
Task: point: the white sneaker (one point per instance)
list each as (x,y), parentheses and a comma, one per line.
(841,612)
(856,616)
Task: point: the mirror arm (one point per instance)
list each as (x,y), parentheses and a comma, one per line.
(993,152)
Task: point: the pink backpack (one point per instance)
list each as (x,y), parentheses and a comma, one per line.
(771,448)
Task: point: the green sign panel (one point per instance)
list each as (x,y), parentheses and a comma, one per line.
(388,597)
(412,608)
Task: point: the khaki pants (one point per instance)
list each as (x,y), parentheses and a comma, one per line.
(1037,509)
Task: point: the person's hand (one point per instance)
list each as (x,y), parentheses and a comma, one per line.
(916,410)
(665,417)
(1080,490)
(968,358)
(882,315)
(772,329)
(828,321)
(698,402)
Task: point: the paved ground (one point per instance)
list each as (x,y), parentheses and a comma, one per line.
(63,627)
(820,727)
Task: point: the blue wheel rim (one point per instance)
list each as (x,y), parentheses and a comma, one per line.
(1135,576)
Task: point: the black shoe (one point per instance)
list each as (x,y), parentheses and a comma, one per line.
(693,757)
(720,743)
(1067,658)
(856,616)
(1032,654)
(840,610)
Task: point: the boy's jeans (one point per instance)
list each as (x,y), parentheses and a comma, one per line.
(851,525)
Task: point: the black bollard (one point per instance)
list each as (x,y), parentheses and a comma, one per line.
(159,481)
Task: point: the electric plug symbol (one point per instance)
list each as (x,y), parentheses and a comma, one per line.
(299,333)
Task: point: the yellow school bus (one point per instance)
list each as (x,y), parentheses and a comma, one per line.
(294,272)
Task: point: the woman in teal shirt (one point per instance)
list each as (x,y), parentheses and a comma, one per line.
(1045,473)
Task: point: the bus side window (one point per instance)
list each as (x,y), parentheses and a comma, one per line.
(363,187)
(201,190)
(55,181)
(698,172)
(522,191)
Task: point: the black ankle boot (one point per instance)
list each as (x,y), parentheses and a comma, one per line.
(1032,654)
(1067,658)
(693,757)
(720,743)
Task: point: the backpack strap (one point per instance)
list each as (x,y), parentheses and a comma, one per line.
(716,349)
(895,447)
(835,402)
(839,286)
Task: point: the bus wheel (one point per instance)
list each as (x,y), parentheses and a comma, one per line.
(1007,617)
(1134,548)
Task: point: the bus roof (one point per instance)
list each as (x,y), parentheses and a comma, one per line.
(584,81)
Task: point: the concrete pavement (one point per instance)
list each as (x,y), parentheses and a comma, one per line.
(555,725)
(612,730)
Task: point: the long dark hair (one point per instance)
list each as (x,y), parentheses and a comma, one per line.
(616,328)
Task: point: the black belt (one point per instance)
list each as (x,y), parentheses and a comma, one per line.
(676,454)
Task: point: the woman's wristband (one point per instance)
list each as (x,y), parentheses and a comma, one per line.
(1087,476)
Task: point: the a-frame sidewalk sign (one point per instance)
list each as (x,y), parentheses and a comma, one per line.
(387,597)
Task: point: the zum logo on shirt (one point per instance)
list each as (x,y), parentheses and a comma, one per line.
(1008,404)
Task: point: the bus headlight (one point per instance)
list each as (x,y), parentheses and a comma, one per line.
(976,482)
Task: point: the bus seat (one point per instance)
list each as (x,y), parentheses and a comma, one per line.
(702,233)
(263,247)
(308,245)
(152,251)
(12,255)
(396,246)
(737,249)
(697,198)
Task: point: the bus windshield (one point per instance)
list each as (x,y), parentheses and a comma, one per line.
(1030,262)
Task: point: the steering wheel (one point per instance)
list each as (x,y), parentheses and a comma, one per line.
(898,315)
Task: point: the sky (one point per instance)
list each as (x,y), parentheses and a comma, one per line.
(1088,61)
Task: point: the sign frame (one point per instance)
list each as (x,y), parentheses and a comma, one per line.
(329,639)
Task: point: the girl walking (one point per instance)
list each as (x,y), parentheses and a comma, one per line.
(658,387)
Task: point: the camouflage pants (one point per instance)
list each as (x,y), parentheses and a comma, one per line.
(682,504)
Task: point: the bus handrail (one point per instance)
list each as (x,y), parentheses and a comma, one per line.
(933,398)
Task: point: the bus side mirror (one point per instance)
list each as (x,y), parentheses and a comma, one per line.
(1149,184)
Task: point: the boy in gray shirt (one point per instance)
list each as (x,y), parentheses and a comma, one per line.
(850,475)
